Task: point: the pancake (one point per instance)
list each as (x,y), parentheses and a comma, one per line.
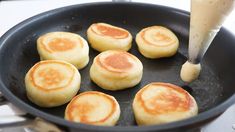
(116,70)
(102,37)
(52,83)
(65,46)
(94,108)
(159,103)
(157,42)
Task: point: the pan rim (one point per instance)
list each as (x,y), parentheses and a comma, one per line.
(213,112)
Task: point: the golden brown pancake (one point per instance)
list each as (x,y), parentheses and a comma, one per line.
(94,108)
(104,37)
(159,103)
(60,44)
(65,46)
(47,80)
(111,31)
(116,62)
(157,42)
(110,68)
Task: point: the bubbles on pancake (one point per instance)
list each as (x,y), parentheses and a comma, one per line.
(50,77)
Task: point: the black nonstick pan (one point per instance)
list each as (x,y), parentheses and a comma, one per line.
(213,91)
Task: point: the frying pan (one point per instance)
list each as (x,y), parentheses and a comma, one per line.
(213,91)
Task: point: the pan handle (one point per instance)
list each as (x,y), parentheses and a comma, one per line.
(17,120)
(30,125)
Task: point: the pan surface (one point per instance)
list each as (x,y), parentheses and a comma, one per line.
(213,90)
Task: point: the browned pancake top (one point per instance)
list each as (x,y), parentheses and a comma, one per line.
(167,101)
(117,61)
(83,109)
(60,44)
(110,31)
(49,76)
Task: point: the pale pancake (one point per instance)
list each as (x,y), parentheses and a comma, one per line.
(157,42)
